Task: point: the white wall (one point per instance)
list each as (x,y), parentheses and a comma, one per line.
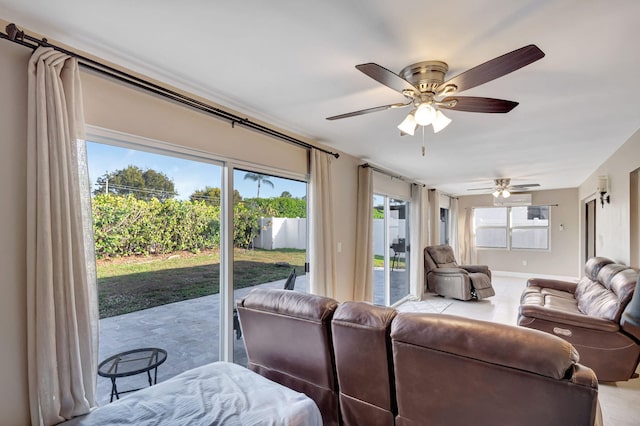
(613,221)
(14,409)
(282,232)
(562,259)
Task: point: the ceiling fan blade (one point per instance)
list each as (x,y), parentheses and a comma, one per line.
(386,77)
(480,189)
(528,185)
(367,111)
(476,104)
(497,67)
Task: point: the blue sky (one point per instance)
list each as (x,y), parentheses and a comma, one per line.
(187,175)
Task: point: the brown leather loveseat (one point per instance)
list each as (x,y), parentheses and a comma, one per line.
(588,315)
(391,368)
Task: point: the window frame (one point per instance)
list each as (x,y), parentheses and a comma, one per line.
(509,228)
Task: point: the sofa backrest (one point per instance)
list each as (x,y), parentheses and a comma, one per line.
(287,335)
(606,289)
(593,266)
(453,370)
(440,256)
(362,348)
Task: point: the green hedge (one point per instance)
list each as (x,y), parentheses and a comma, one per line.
(126,226)
(280,206)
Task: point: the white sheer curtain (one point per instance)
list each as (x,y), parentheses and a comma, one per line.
(468,245)
(322,279)
(419,237)
(363,285)
(62,314)
(453,226)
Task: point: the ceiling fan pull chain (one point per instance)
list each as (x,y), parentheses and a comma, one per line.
(423,148)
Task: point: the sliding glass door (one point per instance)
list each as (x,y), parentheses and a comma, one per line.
(270,239)
(157,240)
(391,250)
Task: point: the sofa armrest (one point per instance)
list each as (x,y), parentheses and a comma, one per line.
(476,268)
(568,318)
(567,286)
(449,271)
(584,376)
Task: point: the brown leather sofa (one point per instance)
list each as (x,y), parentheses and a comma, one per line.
(589,314)
(482,373)
(287,335)
(413,369)
(445,277)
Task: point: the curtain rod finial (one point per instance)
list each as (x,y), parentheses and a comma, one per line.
(13,32)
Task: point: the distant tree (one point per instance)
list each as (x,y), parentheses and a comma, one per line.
(286,194)
(211,196)
(260,178)
(142,184)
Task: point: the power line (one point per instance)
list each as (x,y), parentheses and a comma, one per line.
(151,191)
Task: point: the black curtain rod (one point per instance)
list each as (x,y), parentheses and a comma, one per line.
(384,172)
(17,36)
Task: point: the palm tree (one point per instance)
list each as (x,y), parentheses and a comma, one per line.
(260,178)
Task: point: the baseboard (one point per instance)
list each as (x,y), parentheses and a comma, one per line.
(534,275)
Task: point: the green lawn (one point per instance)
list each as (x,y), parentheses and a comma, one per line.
(134,283)
(378,262)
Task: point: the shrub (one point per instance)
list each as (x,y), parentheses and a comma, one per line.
(127,226)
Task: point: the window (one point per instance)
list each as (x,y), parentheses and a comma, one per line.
(491,227)
(444,226)
(524,227)
(530,227)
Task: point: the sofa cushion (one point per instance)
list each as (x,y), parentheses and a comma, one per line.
(443,256)
(593,266)
(607,296)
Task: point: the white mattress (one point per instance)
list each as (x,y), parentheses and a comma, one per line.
(220,393)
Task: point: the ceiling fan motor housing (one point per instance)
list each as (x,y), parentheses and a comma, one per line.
(503,183)
(427,76)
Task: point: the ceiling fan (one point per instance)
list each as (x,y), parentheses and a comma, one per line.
(424,86)
(504,188)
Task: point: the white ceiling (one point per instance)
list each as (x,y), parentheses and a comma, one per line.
(291,63)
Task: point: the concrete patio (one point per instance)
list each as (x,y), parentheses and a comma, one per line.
(189,331)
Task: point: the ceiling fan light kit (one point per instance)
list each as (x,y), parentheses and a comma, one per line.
(425,87)
(504,189)
(425,114)
(441,121)
(408,125)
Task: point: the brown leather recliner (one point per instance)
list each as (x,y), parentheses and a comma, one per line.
(457,371)
(362,348)
(288,340)
(445,277)
(590,315)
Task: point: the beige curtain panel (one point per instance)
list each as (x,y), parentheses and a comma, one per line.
(468,243)
(321,239)
(419,237)
(363,285)
(62,317)
(454,239)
